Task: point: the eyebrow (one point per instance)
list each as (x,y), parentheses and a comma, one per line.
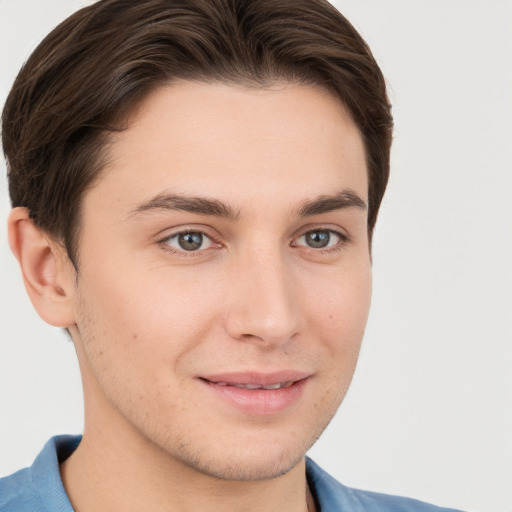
(214,207)
(329,203)
(200,205)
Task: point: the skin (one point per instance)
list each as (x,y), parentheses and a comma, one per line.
(150,320)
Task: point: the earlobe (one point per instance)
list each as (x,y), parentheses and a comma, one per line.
(46,270)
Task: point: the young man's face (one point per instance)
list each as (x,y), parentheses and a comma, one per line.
(224,277)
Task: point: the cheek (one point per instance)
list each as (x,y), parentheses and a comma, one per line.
(338,317)
(340,305)
(143,320)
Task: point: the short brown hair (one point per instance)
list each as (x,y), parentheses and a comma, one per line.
(88,73)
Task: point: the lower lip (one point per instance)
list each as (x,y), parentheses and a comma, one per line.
(259,401)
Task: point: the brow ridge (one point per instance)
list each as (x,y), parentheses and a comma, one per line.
(207,206)
(199,205)
(329,203)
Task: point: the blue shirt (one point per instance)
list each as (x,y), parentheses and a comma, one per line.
(39,488)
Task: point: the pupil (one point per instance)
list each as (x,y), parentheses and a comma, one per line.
(318,239)
(190,241)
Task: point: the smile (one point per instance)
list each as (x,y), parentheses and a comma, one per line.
(278,385)
(256,393)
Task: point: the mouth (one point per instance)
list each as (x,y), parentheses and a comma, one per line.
(258,393)
(277,385)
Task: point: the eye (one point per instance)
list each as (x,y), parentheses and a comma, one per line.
(321,239)
(190,241)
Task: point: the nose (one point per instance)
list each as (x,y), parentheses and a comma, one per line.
(263,306)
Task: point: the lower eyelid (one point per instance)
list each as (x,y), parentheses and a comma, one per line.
(165,242)
(342,239)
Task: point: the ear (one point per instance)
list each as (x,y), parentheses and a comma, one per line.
(47,272)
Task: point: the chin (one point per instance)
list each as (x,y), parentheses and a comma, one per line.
(236,452)
(245,467)
(242,458)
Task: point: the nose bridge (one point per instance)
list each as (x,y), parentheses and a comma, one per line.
(263,305)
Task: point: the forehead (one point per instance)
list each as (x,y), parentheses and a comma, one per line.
(236,143)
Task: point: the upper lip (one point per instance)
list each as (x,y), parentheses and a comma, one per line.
(257,378)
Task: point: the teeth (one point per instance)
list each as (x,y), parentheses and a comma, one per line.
(278,385)
(247,386)
(274,386)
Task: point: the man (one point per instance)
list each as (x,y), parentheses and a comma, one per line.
(195,186)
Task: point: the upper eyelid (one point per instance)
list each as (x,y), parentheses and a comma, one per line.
(343,238)
(215,237)
(163,242)
(166,233)
(330,230)
(343,233)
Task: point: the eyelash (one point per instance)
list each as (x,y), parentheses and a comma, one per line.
(164,243)
(343,240)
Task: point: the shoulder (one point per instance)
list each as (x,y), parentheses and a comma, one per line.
(333,496)
(17,493)
(39,487)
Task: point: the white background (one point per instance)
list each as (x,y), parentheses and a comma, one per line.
(429,412)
